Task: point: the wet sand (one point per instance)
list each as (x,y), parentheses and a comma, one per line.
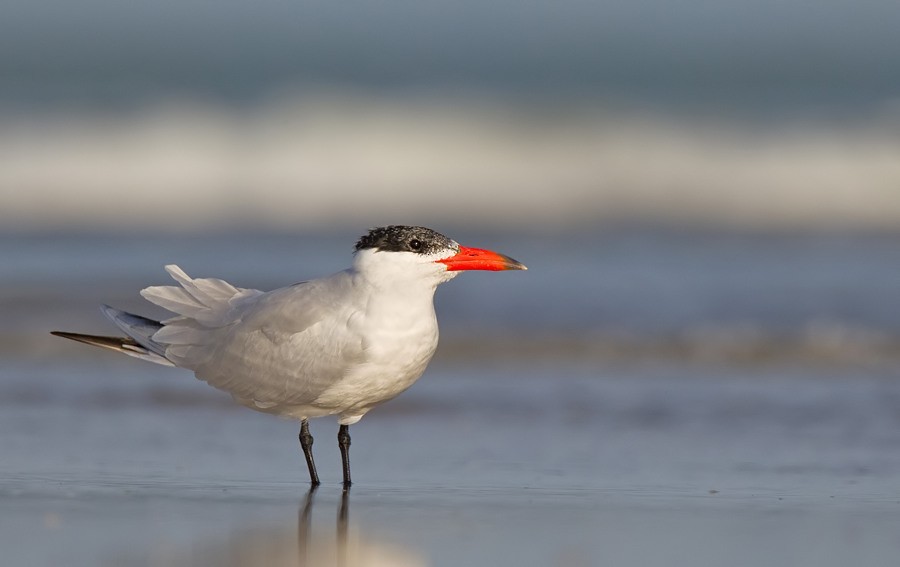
(127,464)
(134,523)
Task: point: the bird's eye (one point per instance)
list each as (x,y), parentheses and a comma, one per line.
(415,244)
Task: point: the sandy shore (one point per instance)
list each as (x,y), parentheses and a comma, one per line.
(132,522)
(473,466)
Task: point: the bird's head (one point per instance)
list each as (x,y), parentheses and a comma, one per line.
(403,252)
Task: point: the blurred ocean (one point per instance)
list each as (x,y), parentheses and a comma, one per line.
(295,116)
(765,57)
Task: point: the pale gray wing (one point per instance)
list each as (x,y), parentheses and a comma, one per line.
(282,347)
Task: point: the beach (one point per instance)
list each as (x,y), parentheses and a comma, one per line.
(505,467)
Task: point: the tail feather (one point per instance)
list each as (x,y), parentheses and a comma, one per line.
(200,305)
(125,345)
(205,300)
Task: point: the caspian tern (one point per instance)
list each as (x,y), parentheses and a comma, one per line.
(336,345)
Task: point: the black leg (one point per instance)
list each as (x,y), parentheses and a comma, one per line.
(344,444)
(306,442)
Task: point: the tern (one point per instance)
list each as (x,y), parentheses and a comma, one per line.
(339,345)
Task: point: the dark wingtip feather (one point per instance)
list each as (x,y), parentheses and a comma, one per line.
(115,343)
(125,345)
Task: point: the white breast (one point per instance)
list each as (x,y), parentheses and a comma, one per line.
(399,336)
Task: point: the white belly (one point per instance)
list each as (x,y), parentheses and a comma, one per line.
(394,359)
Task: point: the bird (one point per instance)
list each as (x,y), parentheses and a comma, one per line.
(338,345)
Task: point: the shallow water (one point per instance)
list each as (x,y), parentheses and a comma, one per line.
(126,463)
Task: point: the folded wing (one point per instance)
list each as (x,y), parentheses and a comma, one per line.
(268,349)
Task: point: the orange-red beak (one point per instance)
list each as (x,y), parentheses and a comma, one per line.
(478,259)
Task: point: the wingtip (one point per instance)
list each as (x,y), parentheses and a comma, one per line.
(78,337)
(65,335)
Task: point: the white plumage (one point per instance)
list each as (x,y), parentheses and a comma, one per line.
(340,345)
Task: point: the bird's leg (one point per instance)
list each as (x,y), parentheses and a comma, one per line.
(344,444)
(306,443)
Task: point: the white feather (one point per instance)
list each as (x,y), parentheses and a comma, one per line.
(340,344)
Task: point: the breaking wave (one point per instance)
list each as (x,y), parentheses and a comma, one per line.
(312,161)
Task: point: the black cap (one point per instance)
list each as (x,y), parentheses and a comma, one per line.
(398,238)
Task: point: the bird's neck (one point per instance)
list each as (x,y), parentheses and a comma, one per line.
(389,273)
(383,287)
(398,307)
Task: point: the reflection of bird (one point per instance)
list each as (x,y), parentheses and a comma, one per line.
(337,345)
(314,543)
